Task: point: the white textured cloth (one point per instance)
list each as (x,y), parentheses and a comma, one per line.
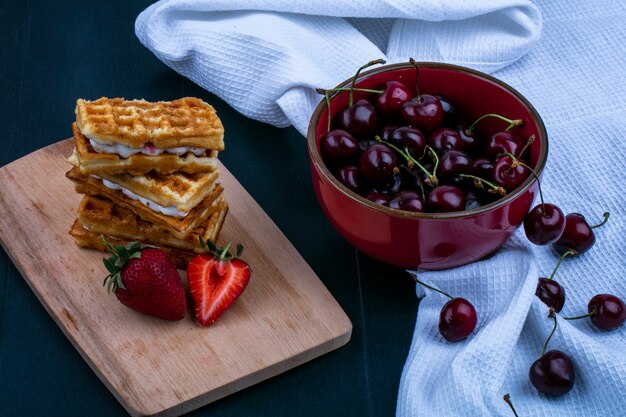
(264,58)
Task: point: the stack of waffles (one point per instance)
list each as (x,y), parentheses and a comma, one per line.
(149,173)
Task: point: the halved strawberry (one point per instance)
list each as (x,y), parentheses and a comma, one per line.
(216,279)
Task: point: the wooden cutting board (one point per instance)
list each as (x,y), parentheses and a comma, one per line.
(153,367)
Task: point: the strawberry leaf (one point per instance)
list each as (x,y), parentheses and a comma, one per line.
(239,250)
(110,265)
(115,264)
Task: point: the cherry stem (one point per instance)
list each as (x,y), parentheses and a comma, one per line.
(418,99)
(435,158)
(518,162)
(565,255)
(419,182)
(591,313)
(337,89)
(431,288)
(512,122)
(495,188)
(432,178)
(507,399)
(530,140)
(369,64)
(327,97)
(606,218)
(545,345)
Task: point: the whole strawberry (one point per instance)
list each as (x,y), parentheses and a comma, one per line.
(216,279)
(145,280)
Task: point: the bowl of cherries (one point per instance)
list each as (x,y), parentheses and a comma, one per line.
(425,165)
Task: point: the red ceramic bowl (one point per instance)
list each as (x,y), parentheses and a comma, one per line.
(431,240)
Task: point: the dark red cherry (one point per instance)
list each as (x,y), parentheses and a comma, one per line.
(551,293)
(457,319)
(578,235)
(409,138)
(350,176)
(445,198)
(452,163)
(364,144)
(553,373)
(503,142)
(339,145)
(360,119)
(408,201)
(507,177)
(394,95)
(424,112)
(544,224)
(607,311)
(377,162)
(482,168)
(449,110)
(387,131)
(389,185)
(445,138)
(470,143)
(378,198)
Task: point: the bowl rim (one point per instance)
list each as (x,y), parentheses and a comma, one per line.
(316,158)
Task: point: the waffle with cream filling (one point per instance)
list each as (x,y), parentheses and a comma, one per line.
(180,227)
(92,162)
(100,215)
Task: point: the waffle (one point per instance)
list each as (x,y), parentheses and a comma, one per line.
(166,124)
(180,189)
(91,162)
(100,215)
(178,227)
(86,239)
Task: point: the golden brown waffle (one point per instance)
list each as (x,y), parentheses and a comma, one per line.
(166,124)
(100,215)
(91,162)
(178,227)
(86,239)
(179,189)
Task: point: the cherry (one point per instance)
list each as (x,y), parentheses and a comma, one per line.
(544,224)
(445,198)
(445,138)
(350,176)
(449,110)
(509,174)
(378,198)
(482,168)
(457,319)
(390,185)
(578,235)
(424,111)
(409,138)
(408,201)
(364,144)
(502,142)
(452,163)
(551,292)
(469,142)
(339,145)
(607,311)
(553,373)
(386,132)
(359,119)
(394,95)
(377,162)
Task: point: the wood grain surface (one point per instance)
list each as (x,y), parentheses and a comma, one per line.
(153,367)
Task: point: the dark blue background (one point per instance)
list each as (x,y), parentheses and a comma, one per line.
(53,52)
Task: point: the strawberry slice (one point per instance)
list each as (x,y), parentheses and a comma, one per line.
(216,279)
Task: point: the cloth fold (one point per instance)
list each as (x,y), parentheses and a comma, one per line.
(251,53)
(266,57)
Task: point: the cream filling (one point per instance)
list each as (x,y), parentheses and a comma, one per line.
(168,211)
(148,149)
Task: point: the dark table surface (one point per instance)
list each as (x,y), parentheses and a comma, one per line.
(55,52)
